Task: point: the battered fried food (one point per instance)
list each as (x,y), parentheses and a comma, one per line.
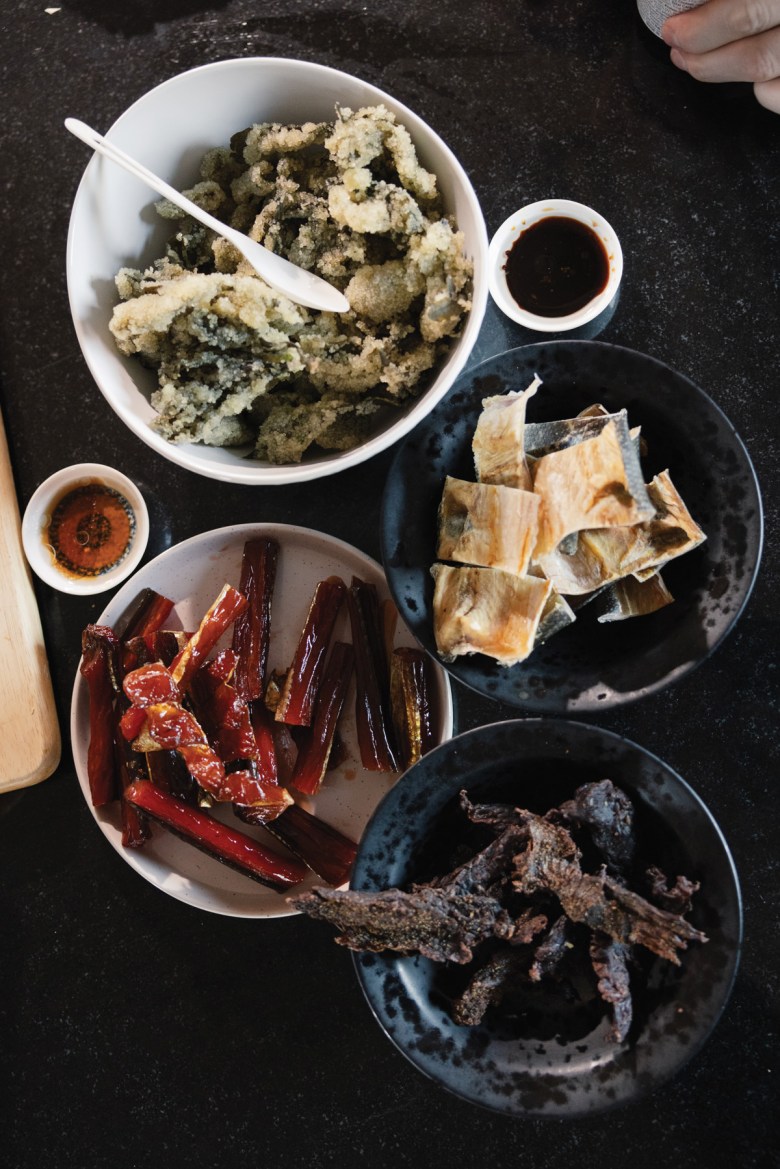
(238,363)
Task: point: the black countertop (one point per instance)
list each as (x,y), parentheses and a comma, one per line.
(136,1030)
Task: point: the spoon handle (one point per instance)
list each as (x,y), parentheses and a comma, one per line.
(300,286)
(109,150)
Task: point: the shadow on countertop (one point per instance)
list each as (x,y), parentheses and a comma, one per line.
(141,16)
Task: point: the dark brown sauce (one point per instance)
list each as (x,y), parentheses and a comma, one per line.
(556,266)
(90,530)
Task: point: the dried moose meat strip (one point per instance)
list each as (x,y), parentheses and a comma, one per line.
(552,950)
(500,975)
(551,861)
(608,814)
(610,962)
(526,927)
(438,924)
(488,986)
(497,816)
(677,898)
(486,869)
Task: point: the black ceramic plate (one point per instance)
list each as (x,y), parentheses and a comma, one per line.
(552,1058)
(589,666)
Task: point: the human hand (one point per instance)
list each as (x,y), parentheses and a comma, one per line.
(730,40)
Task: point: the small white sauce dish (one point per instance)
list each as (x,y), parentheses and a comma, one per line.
(37,518)
(508,234)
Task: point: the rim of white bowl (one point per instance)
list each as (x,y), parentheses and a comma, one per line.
(509,232)
(37,510)
(249,472)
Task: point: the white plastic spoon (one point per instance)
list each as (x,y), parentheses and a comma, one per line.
(299,285)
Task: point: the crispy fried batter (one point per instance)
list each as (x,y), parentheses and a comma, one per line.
(347,199)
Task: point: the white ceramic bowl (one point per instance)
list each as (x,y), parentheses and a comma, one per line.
(508,234)
(113,224)
(37,515)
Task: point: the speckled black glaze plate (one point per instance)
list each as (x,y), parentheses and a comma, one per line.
(550,1057)
(589,666)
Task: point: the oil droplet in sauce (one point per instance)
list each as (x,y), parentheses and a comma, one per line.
(90,529)
(556,266)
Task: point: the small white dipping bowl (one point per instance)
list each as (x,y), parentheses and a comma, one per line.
(37,516)
(113,225)
(509,232)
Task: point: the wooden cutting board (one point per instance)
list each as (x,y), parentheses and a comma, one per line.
(29,730)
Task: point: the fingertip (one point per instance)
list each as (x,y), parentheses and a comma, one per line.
(768,94)
(667,31)
(677,58)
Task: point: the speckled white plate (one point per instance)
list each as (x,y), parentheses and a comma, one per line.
(191,574)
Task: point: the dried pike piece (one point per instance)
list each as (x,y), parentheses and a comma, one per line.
(485,610)
(442,926)
(557,614)
(299,693)
(595,484)
(608,814)
(410,701)
(629,597)
(542,438)
(551,862)
(487,524)
(610,962)
(499,453)
(489,986)
(611,554)
(228,845)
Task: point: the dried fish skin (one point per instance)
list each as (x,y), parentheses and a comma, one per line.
(556,615)
(630,597)
(597,483)
(607,555)
(543,438)
(486,610)
(487,524)
(673,529)
(497,446)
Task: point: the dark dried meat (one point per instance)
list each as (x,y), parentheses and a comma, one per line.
(677,898)
(489,986)
(551,862)
(551,950)
(438,924)
(608,814)
(610,962)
